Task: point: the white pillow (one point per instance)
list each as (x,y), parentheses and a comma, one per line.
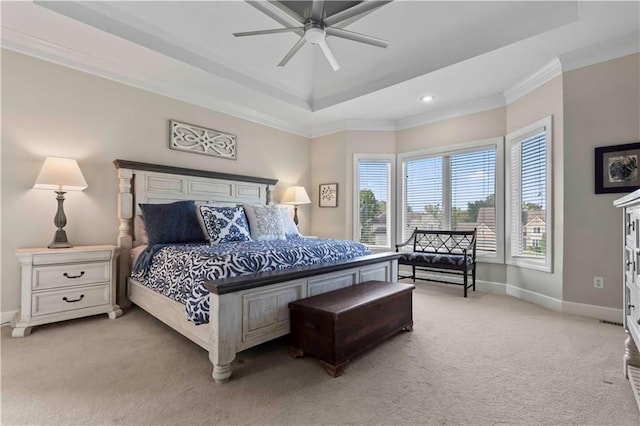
(265,222)
(290,227)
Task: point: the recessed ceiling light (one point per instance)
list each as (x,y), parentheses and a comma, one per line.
(427,98)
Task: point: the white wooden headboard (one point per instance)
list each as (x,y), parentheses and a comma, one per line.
(153,183)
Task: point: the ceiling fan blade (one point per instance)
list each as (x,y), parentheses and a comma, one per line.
(292,52)
(276,13)
(329,54)
(274,31)
(317,7)
(362,38)
(365,6)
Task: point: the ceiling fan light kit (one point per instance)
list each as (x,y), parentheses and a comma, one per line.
(314,33)
(316,27)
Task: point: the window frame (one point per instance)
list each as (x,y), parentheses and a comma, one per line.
(477,145)
(516,137)
(389,159)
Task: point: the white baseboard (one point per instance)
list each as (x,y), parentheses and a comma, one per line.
(491,287)
(5,317)
(536,298)
(593,311)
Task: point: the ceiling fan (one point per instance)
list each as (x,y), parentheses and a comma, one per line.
(313,25)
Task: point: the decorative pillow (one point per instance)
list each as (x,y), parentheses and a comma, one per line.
(265,222)
(290,227)
(224,224)
(172,223)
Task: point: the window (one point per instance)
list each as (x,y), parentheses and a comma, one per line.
(529,190)
(457,189)
(374,200)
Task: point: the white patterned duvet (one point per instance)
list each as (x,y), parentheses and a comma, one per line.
(180,271)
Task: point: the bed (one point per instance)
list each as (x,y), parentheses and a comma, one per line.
(243,310)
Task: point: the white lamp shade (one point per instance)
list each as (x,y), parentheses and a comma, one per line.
(296,195)
(60,174)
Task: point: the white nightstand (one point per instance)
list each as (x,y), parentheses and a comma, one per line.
(62,284)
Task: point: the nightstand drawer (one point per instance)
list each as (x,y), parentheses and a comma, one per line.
(51,257)
(72,274)
(67,300)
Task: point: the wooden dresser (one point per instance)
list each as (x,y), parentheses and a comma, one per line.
(630,205)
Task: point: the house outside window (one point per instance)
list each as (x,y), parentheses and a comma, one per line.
(460,188)
(529,203)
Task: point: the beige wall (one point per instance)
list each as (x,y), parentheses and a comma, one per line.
(52,110)
(332,161)
(602,107)
(468,128)
(328,165)
(541,102)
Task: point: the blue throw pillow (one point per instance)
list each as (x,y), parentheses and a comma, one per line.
(224,224)
(172,223)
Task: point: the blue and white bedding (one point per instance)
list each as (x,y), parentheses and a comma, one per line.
(179,271)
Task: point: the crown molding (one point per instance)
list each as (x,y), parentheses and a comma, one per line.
(139,32)
(32,46)
(478,105)
(533,81)
(353,126)
(626,45)
(16,40)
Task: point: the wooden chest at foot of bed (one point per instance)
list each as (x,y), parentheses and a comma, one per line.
(338,325)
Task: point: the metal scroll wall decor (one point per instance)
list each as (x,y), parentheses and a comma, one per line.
(187,137)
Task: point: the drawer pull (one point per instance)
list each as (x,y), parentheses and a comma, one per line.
(630,306)
(73,276)
(71,301)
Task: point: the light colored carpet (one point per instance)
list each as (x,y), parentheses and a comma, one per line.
(483,360)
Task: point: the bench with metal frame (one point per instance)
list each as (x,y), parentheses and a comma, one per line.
(448,252)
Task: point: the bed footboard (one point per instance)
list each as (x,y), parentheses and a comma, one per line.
(249,310)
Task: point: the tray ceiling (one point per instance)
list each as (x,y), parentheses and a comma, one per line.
(457,51)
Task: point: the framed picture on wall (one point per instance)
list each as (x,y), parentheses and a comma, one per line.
(328,195)
(616,168)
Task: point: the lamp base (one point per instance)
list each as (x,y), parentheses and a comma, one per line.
(60,240)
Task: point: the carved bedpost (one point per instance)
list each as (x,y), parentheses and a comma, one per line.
(223,332)
(270,194)
(125,239)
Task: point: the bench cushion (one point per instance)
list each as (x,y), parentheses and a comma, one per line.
(439,260)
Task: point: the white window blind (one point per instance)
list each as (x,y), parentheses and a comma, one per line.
(528,169)
(373,187)
(423,207)
(455,190)
(530,204)
(473,201)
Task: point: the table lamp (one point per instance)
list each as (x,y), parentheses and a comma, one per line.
(60,175)
(295,195)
